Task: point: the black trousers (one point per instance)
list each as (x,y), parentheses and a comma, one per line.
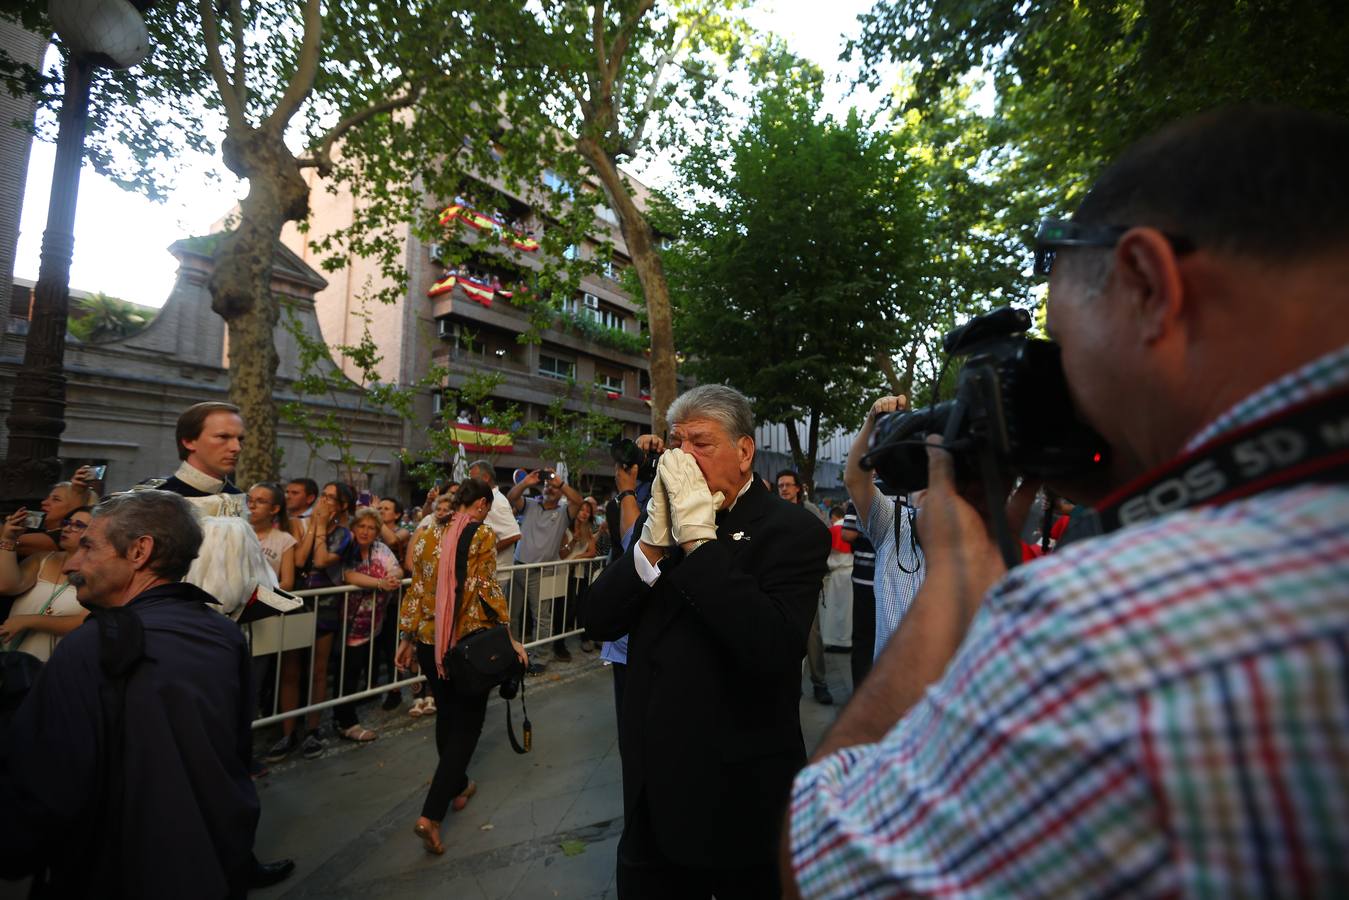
(566,620)
(459,721)
(353,679)
(644,873)
(863,631)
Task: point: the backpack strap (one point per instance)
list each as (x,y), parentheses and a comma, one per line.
(528,728)
(121,648)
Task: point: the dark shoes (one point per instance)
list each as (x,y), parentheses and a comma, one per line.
(282,748)
(313,746)
(267,874)
(822,695)
(536,668)
(561,653)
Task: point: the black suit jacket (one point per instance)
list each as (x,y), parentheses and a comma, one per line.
(711,728)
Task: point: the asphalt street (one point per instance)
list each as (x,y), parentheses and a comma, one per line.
(543,825)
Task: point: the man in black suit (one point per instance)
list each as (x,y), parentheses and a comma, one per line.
(718,606)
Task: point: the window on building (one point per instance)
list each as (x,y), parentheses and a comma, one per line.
(557,183)
(437,402)
(605,212)
(555,367)
(610,384)
(573,251)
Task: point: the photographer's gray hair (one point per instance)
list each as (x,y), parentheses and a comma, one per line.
(724,405)
(164,516)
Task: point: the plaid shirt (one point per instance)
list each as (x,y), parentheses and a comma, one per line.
(1160,711)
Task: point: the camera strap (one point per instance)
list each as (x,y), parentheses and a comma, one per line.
(1306,443)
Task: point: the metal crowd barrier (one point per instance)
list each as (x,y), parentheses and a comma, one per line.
(539,595)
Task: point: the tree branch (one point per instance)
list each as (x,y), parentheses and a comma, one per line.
(887,367)
(597,36)
(620,47)
(633,144)
(593,80)
(240,76)
(306,67)
(234,110)
(321,158)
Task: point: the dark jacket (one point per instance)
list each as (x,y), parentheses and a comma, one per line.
(711,728)
(188,809)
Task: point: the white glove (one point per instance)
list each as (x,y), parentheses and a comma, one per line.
(693,508)
(656,531)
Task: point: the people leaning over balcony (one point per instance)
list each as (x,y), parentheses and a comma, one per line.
(453,579)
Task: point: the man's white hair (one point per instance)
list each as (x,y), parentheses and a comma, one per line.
(724,405)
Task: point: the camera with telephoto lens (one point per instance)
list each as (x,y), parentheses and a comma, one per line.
(1011,416)
(625,452)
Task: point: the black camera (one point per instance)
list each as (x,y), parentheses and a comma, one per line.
(1012,414)
(625,452)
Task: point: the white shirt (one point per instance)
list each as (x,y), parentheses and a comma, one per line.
(647,570)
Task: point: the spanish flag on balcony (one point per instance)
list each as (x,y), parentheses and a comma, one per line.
(480,438)
(474,290)
(475,219)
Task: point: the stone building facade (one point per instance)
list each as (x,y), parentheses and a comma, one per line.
(123,396)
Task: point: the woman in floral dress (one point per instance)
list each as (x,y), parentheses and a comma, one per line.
(449,605)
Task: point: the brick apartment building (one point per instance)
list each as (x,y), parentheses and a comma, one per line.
(468,326)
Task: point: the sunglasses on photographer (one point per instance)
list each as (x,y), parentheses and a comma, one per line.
(1056,234)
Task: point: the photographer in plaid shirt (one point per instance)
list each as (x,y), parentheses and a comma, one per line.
(1163,710)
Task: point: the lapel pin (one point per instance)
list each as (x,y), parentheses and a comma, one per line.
(740,536)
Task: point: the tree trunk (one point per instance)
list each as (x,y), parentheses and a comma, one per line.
(887,367)
(808,469)
(641,243)
(794,443)
(241,288)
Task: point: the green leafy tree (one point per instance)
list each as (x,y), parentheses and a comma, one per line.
(573,429)
(607,82)
(251,80)
(799,260)
(1077,82)
(973,254)
(99,317)
(330,407)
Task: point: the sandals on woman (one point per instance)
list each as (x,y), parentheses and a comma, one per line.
(429,832)
(423,707)
(461,801)
(358,734)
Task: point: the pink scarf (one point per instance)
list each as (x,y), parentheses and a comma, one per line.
(449,544)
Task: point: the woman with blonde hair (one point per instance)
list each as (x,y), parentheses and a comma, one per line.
(45,609)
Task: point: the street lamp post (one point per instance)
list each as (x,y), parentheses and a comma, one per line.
(96,32)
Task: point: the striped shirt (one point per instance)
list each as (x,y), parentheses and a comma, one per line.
(863,553)
(1160,711)
(899,565)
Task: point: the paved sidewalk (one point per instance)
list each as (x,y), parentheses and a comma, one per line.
(543,825)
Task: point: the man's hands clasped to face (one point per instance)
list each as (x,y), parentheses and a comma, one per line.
(693,508)
(682,510)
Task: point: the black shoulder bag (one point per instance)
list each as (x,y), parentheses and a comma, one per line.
(485,658)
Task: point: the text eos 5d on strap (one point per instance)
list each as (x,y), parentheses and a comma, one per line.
(1305,443)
